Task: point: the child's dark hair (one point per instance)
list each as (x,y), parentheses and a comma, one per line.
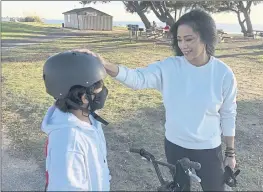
(202,23)
(75,94)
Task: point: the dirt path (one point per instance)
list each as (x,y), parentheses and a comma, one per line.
(22,170)
(12,43)
(19,174)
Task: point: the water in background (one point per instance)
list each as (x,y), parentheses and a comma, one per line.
(228,28)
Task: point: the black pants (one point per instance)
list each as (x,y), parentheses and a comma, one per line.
(211,160)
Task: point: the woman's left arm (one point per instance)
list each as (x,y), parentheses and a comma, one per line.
(230,141)
(228,112)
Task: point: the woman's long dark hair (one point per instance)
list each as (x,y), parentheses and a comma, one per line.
(202,23)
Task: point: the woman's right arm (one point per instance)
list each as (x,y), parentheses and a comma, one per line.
(139,78)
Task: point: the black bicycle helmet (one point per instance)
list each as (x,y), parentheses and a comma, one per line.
(67,69)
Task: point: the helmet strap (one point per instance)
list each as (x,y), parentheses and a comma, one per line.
(76,106)
(90,111)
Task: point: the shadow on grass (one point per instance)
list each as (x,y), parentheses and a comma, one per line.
(240,50)
(53,36)
(15,28)
(239,45)
(140,129)
(255,53)
(260,47)
(100,41)
(34,53)
(19,36)
(32,39)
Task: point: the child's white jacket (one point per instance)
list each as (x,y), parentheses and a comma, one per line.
(75,153)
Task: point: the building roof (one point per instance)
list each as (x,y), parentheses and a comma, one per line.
(85,9)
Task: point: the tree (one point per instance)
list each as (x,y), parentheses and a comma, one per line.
(165,9)
(162,11)
(84,3)
(139,7)
(241,8)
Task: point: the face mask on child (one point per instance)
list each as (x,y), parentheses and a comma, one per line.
(99,99)
(98,103)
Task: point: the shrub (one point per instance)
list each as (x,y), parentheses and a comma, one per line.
(33,19)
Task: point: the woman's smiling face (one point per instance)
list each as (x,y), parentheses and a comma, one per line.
(190,42)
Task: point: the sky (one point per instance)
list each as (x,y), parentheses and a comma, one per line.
(54,10)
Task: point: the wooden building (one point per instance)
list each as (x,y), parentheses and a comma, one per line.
(88,18)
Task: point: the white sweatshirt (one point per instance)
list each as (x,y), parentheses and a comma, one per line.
(76,153)
(200,102)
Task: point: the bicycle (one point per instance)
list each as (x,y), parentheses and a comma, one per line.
(182,172)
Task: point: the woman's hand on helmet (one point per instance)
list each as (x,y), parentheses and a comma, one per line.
(92,53)
(111,69)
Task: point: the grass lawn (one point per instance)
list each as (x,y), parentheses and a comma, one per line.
(136,117)
(15,30)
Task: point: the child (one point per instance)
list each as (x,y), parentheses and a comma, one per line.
(76,148)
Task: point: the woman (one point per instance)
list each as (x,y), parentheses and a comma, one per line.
(199,94)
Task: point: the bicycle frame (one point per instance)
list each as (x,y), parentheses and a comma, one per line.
(181,171)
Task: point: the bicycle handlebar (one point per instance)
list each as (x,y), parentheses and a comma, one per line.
(133,150)
(151,158)
(185,162)
(187,165)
